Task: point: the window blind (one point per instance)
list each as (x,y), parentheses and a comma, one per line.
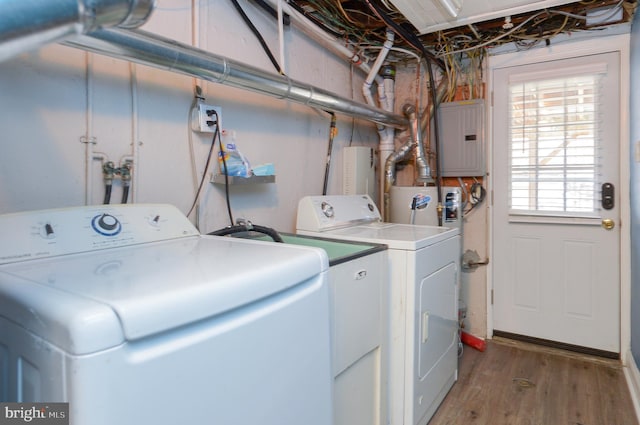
(554,147)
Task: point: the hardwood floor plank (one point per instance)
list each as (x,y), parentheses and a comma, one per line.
(521,384)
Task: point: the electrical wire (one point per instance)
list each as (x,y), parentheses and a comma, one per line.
(518,32)
(501,36)
(605,14)
(196,98)
(257,34)
(224,169)
(216,134)
(393,49)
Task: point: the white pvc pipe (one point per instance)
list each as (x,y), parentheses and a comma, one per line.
(373,74)
(323,38)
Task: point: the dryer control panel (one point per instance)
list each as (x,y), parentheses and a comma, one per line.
(47,233)
(322,213)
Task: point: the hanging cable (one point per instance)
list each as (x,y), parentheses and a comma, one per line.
(226,174)
(257,34)
(216,134)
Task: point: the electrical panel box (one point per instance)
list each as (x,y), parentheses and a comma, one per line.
(462,139)
(358,171)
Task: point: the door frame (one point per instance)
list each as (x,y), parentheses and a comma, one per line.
(614,43)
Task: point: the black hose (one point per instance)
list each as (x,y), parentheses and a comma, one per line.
(241,228)
(107,194)
(125,194)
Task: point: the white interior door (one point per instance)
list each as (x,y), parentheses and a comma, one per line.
(556,259)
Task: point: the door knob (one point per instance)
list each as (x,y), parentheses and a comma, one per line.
(608,224)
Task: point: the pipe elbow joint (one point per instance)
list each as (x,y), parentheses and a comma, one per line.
(409,110)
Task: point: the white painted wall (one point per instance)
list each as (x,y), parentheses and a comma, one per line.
(45,111)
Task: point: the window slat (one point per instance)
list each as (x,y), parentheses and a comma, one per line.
(554,144)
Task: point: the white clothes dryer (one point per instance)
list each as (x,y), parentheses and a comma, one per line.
(129,315)
(424,266)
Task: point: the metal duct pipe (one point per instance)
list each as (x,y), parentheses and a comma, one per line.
(422,165)
(28,24)
(159,52)
(404,151)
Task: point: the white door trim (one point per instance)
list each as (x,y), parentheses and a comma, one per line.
(632,374)
(619,43)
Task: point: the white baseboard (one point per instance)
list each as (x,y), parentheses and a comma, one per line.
(632,374)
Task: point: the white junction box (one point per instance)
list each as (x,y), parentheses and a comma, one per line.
(203,119)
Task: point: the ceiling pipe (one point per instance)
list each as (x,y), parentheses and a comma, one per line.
(159,52)
(28,24)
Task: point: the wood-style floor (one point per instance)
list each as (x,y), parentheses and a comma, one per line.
(515,383)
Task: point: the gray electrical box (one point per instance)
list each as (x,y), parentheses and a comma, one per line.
(462,138)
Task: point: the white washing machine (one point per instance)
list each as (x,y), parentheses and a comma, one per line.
(130,316)
(424,271)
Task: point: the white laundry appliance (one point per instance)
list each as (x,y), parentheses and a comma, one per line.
(132,317)
(423,299)
(358,285)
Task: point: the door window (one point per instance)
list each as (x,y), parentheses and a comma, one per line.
(554,144)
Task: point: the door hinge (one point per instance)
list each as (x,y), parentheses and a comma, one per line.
(492,297)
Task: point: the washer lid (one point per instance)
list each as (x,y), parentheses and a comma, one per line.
(395,236)
(87,302)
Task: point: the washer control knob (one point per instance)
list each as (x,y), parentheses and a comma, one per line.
(106,224)
(327,209)
(47,231)
(155,220)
